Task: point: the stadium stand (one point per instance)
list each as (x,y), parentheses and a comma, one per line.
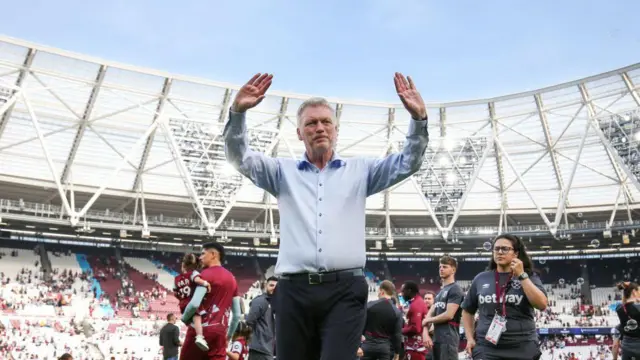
(66,318)
(97,282)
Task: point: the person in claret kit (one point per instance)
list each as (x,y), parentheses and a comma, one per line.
(412,331)
(220,307)
(184,287)
(240,339)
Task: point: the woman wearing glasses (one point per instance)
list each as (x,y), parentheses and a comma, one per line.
(629,314)
(505,297)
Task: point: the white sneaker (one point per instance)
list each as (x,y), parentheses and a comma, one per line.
(201,343)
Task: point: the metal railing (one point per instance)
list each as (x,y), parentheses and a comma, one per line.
(37,210)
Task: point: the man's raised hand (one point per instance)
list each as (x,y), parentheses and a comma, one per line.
(252,93)
(410,97)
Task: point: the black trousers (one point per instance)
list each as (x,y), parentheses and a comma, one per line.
(256,355)
(526,350)
(320,321)
(444,352)
(376,351)
(400,352)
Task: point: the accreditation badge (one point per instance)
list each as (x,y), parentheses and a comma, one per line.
(497,327)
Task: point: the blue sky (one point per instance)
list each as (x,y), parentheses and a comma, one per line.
(454,49)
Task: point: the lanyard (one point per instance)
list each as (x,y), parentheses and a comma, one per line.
(501,292)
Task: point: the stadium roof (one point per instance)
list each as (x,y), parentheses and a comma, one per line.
(109,133)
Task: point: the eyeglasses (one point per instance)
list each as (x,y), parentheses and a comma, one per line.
(502,249)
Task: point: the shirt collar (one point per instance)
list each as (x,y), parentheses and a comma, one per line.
(336,161)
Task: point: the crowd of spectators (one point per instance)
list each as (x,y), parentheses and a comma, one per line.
(43,335)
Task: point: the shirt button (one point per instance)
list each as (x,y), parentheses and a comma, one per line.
(320,199)
(320,184)
(319,250)
(316,171)
(320,231)
(320,214)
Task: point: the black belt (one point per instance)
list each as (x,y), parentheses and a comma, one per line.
(322,277)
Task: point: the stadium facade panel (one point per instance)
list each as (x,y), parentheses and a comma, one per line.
(99,135)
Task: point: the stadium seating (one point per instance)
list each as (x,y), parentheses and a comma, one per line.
(105,272)
(146,266)
(90,278)
(46,338)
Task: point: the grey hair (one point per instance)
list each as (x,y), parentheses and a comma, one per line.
(313,102)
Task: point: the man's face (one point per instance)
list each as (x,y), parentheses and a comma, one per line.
(317,129)
(207,257)
(428,299)
(271,287)
(446,271)
(407,294)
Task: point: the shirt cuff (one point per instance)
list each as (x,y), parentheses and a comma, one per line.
(237,122)
(418,127)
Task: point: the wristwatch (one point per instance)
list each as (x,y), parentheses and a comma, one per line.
(523,276)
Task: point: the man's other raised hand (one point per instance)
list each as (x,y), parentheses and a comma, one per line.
(410,97)
(252,93)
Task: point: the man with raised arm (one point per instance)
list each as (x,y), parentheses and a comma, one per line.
(219,308)
(321,295)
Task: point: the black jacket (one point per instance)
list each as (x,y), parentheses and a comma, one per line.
(170,340)
(383,325)
(261,320)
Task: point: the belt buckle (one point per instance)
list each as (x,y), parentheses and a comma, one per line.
(315,279)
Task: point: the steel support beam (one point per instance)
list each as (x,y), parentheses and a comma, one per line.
(443,122)
(427,205)
(614,159)
(9,104)
(83,123)
(472,181)
(273,238)
(117,170)
(184,173)
(281,118)
(338,113)
(143,207)
(166,88)
(628,206)
(632,89)
(26,65)
(338,117)
(47,155)
(387,192)
(498,154)
(525,187)
(562,203)
(615,208)
(234,197)
(550,148)
(224,110)
(72,195)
